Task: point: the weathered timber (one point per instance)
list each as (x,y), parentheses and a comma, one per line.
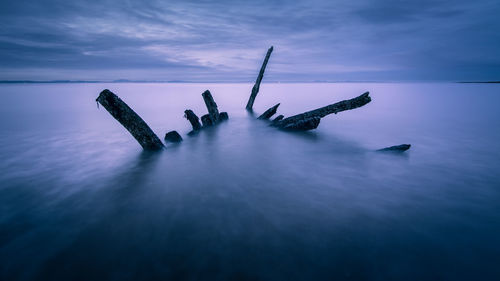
(396,148)
(307,120)
(255,89)
(223,116)
(279,118)
(130,120)
(193,119)
(173,136)
(213,112)
(303,124)
(270,112)
(206,121)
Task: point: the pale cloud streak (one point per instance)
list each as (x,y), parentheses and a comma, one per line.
(226,40)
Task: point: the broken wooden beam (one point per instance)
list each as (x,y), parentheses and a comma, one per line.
(193,119)
(270,112)
(279,118)
(396,148)
(130,120)
(305,124)
(213,112)
(256,86)
(310,120)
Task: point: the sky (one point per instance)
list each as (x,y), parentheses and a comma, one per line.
(226,41)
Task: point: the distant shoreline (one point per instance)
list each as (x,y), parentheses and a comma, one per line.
(480,82)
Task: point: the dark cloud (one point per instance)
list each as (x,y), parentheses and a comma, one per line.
(226,40)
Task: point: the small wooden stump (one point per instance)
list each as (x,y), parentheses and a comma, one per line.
(173,136)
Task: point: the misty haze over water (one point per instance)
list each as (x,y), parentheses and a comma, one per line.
(80,200)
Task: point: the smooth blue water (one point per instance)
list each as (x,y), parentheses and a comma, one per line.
(79,200)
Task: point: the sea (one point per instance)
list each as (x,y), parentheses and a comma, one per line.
(81,200)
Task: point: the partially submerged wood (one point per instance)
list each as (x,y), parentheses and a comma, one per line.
(255,89)
(310,120)
(213,112)
(130,120)
(213,117)
(206,120)
(223,116)
(173,136)
(396,148)
(270,112)
(193,119)
(277,119)
(303,124)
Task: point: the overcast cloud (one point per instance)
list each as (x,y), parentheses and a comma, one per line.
(226,40)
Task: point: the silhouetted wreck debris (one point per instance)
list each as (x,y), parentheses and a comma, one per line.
(301,122)
(207,121)
(277,119)
(213,117)
(269,113)
(396,148)
(130,120)
(307,120)
(304,124)
(310,120)
(213,111)
(223,116)
(193,119)
(255,89)
(173,136)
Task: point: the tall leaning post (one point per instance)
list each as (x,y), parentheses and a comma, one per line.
(213,112)
(130,120)
(255,89)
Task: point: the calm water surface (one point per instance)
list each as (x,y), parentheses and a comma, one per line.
(79,200)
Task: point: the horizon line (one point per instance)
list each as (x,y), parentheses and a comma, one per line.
(230,82)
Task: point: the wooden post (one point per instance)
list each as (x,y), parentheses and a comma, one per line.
(255,89)
(130,120)
(213,112)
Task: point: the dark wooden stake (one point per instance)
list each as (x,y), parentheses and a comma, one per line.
(213,112)
(255,89)
(130,120)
